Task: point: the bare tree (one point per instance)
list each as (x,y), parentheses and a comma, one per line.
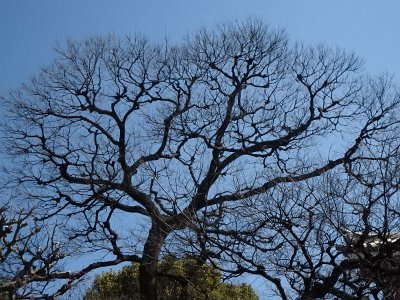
(332,237)
(29,253)
(138,148)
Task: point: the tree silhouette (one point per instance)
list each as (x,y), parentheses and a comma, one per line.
(234,146)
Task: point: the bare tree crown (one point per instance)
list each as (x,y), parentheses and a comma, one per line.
(207,146)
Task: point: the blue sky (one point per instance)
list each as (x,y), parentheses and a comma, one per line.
(29,30)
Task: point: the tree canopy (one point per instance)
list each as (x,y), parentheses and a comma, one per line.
(235,146)
(179,279)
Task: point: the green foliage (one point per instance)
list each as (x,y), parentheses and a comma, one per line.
(122,284)
(178,279)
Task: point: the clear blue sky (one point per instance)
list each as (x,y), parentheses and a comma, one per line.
(30,29)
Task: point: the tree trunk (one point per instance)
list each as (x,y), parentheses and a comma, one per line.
(148,266)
